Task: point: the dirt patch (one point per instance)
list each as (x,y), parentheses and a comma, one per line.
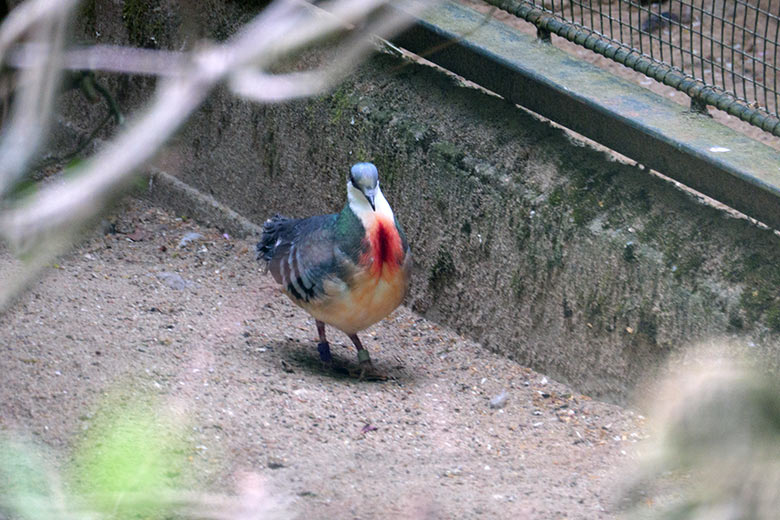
(214,331)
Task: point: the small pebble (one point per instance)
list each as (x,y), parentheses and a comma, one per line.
(275,464)
(500,400)
(174,280)
(189,238)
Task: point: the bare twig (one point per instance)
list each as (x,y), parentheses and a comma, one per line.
(27,15)
(242,62)
(260,86)
(32,110)
(282,28)
(106,58)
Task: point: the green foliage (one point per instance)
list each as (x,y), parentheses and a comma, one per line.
(760,299)
(773,318)
(87,14)
(518,285)
(73,168)
(342,102)
(121,469)
(23,189)
(128,452)
(24,489)
(450,152)
(443,270)
(556,196)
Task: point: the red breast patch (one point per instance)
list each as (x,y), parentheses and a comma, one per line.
(384,246)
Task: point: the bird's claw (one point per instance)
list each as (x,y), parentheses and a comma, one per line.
(367,372)
(364,372)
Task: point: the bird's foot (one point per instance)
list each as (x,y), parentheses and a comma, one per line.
(325,357)
(366,370)
(363,372)
(324,349)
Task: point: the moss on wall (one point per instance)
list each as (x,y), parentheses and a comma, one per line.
(145,22)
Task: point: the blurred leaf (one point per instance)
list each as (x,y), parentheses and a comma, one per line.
(74,164)
(23,189)
(25,490)
(122,467)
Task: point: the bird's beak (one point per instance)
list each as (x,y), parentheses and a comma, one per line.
(370,195)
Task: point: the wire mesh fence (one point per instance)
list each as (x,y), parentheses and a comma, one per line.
(720,52)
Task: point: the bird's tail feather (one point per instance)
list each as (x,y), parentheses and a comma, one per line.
(268,242)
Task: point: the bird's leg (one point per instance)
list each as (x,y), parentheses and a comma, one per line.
(323,347)
(367,370)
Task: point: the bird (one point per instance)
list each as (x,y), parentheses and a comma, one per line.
(348,270)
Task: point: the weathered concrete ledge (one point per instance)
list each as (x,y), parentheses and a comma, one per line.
(534,244)
(178,196)
(616,113)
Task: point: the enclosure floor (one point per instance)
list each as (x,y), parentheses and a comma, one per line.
(243,359)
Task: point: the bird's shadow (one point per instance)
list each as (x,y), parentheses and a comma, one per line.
(294,356)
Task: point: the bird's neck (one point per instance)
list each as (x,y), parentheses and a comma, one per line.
(381,234)
(362,209)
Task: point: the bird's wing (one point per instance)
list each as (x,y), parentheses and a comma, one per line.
(404,241)
(304,256)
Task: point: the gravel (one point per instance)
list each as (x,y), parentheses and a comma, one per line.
(243,359)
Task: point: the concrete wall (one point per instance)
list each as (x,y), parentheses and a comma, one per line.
(534,244)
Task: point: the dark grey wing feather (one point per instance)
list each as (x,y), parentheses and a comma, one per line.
(300,254)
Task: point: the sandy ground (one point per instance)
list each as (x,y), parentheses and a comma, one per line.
(425,444)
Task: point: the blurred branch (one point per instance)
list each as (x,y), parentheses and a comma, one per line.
(106,58)
(258,85)
(31,490)
(32,110)
(27,15)
(251,503)
(188,78)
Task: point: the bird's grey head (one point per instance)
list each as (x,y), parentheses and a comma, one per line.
(365,178)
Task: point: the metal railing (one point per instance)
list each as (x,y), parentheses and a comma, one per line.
(722,53)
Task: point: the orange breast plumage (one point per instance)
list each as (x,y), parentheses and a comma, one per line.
(374,289)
